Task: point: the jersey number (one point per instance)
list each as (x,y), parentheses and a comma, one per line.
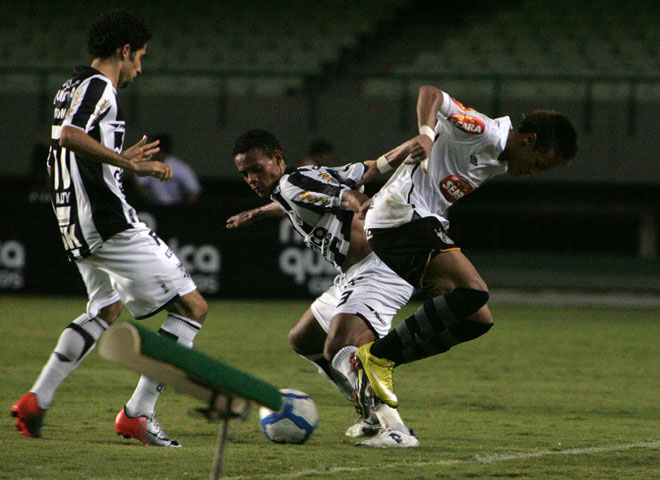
(344,297)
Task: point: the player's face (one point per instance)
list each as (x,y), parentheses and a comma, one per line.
(131,67)
(262,173)
(522,159)
(532,163)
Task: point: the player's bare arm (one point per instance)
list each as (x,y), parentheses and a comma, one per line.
(417,148)
(249,217)
(429,102)
(79,142)
(352,200)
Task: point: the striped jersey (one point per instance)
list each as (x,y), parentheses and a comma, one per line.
(87,195)
(311,197)
(463,157)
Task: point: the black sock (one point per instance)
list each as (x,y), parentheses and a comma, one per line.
(434,328)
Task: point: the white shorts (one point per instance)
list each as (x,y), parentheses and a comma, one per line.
(136,267)
(370,290)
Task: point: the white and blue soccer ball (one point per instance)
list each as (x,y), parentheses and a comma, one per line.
(295,423)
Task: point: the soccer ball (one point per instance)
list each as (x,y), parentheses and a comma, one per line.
(295,423)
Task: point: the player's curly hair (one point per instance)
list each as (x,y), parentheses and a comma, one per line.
(262,139)
(113,30)
(553,132)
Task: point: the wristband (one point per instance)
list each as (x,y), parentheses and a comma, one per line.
(383,165)
(428,131)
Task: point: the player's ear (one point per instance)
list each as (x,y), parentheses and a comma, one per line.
(530,139)
(124,52)
(279,157)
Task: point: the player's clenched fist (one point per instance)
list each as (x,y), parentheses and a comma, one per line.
(419,149)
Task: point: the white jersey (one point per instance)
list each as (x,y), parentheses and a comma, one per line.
(463,157)
(87,195)
(311,197)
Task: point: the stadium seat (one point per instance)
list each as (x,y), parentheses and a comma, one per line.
(289,36)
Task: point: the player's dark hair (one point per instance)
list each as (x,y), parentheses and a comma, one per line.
(262,139)
(113,30)
(553,132)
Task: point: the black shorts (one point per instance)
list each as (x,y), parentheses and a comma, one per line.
(408,248)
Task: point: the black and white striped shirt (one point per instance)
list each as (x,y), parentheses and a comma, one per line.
(311,197)
(87,195)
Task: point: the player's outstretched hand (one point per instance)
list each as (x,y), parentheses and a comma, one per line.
(248,217)
(139,155)
(141,150)
(242,219)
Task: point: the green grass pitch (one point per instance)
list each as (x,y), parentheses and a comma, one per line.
(548,393)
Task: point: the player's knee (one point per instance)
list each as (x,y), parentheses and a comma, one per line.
(200,310)
(111,313)
(192,306)
(297,340)
(464,302)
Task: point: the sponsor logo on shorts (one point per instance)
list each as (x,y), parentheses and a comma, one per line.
(454,188)
(467,123)
(375,313)
(163,284)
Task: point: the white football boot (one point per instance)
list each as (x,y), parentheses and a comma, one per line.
(364,427)
(389,438)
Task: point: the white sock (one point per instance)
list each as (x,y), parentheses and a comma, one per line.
(145,396)
(389,418)
(341,363)
(76,342)
(336,378)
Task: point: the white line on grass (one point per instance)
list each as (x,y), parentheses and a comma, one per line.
(476,459)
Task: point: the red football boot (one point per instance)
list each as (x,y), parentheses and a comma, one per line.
(29,416)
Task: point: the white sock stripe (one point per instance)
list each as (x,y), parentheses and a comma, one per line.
(101,323)
(184,329)
(191,323)
(95,327)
